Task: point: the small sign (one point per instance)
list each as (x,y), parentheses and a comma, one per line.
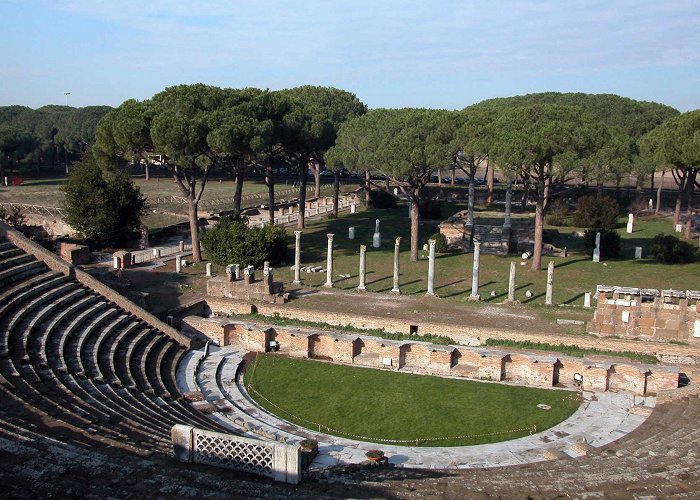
(625,316)
(386,361)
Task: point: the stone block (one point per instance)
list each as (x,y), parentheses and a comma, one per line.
(182,439)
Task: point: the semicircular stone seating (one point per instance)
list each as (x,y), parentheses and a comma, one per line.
(72,360)
(72,356)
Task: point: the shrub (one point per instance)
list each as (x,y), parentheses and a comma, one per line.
(233,242)
(381,199)
(430,209)
(558,213)
(308,444)
(12,217)
(670,250)
(440,243)
(375,454)
(609,242)
(596,213)
(106,206)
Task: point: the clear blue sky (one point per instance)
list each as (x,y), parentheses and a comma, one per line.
(440,54)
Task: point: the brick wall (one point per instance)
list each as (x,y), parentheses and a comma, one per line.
(533,369)
(628,317)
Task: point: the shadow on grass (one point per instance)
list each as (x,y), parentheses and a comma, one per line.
(570,262)
(574,299)
(388,289)
(533,298)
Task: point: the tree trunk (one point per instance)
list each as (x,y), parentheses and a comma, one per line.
(452,175)
(539,221)
(679,198)
(336,193)
(368,188)
(490,178)
(439,177)
(599,190)
(415,219)
(194,229)
(317,179)
(658,193)
(238,193)
(387,185)
(270,183)
(148,177)
(689,188)
(303,176)
(526,195)
(547,189)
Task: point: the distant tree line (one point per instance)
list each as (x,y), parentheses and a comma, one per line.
(49,135)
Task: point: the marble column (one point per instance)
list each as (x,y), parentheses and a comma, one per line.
(474,295)
(431,268)
(208,267)
(329,262)
(178,263)
(511,283)
(550,283)
(297,258)
(509,204)
(363,267)
(396,266)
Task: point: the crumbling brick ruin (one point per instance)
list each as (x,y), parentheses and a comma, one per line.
(648,314)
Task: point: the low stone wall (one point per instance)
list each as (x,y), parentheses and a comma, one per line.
(630,317)
(527,368)
(279,461)
(55,263)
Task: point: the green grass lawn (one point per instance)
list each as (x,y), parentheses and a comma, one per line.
(371,405)
(573,275)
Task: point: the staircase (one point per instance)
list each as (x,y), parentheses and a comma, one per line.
(494,240)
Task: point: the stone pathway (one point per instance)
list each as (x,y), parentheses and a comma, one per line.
(601,419)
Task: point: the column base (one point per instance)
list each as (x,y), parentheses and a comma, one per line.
(296,282)
(430,294)
(329,285)
(475,298)
(396,291)
(362,288)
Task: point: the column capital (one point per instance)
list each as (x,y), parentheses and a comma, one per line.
(363,248)
(297,233)
(431,243)
(398,240)
(330,236)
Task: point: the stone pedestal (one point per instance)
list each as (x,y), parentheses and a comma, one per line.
(474,295)
(376,240)
(637,252)
(550,284)
(630,223)
(351,233)
(208,267)
(329,262)
(297,258)
(363,267)
(181,246)
(249,275)
(431,268)
(178,263)
(587,299)
(396,288)
(353,208)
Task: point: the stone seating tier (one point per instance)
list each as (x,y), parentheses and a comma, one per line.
(74,357)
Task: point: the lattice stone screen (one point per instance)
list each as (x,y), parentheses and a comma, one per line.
(279,461)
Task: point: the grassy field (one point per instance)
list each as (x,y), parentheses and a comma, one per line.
(374,405)
(573,275)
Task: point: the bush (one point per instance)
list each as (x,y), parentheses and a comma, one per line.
(430,209)
(440,243)
(609,242)
(596,213)
(105,206)
(12,217)
(670,250)
(558,213)
(233,242)
(381,199)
